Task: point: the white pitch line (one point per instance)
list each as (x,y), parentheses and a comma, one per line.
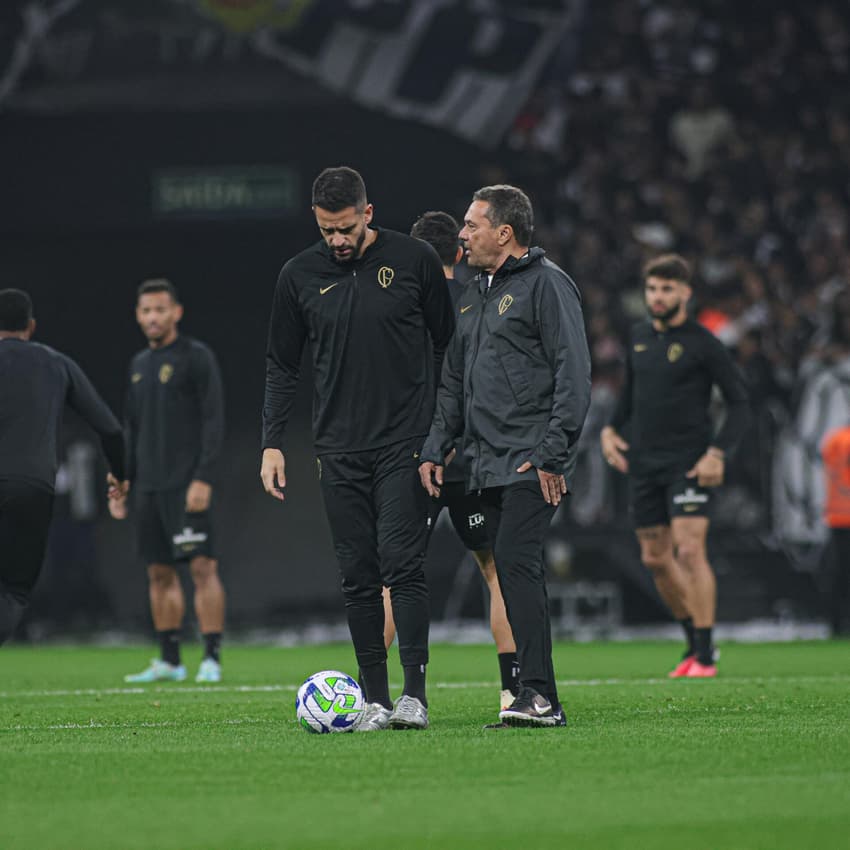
(141,725)
(177,688)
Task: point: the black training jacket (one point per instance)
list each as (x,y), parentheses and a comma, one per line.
(667,395)
(368,324)
(36,382)
(516,380)
(174,415)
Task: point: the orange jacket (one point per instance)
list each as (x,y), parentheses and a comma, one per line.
(836,463)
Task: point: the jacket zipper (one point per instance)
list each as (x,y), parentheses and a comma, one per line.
(471,365)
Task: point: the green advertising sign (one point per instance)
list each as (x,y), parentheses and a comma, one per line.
(253,191)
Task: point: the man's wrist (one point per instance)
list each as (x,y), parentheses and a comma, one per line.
(715,452)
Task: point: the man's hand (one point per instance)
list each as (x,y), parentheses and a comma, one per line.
(117,493)
(552,485)
(272,472)
(198,496)
(709,469)
(429,473)
(613,446)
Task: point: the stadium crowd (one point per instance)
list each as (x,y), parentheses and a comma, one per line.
(719,130)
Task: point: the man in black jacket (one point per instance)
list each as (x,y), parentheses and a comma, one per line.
(674,458)
(36,382)
(516,384)
(175,428)
(369,300)
(439,230)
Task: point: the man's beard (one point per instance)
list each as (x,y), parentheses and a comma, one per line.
(665,317)
(355,252)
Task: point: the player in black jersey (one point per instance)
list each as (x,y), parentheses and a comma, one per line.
(374,306)
(673,457)
(36,382)
(175,426)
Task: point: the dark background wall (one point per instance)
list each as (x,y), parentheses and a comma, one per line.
(78,231)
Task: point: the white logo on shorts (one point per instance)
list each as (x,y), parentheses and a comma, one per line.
(476,520)
(690,497)
(188,535)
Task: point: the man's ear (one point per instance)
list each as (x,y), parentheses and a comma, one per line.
(30,328)
(458,255)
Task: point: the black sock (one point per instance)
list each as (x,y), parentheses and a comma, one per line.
(376,687)
(169,646)
(688,625)
(414,682)
(509,670)
(703,647)
(212,645)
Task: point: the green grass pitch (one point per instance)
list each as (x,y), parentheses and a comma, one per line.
(759,758)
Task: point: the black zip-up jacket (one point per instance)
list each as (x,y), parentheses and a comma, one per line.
(516,380)
(174,415)
(36,382)
(368,324)
(667,394)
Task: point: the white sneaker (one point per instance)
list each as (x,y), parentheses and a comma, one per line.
(159,671)
(209,671)
(409,713)
(373,718)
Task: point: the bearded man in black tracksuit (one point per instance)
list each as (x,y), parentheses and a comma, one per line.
(368,300)
(516,385)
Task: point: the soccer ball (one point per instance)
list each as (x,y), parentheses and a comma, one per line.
(329,701)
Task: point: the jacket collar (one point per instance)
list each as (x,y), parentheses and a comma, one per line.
(511,266)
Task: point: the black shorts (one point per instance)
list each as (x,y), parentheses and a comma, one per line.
(167,533)
(658,498)
(25,512)
(466,515)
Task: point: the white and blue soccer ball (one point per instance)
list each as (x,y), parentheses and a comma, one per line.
(329,701)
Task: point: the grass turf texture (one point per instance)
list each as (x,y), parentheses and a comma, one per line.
(759,758)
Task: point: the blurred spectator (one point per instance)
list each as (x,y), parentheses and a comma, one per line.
(700,129)
(719,131)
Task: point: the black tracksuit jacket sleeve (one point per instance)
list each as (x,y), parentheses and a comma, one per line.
(447,425)
(84,400)
(623,409)
(287,334)
(207,376)
(437,308)
(131,430)
(565,343)
(733,387)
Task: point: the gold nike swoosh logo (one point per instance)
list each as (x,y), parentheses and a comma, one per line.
(464,309)
(324,289)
